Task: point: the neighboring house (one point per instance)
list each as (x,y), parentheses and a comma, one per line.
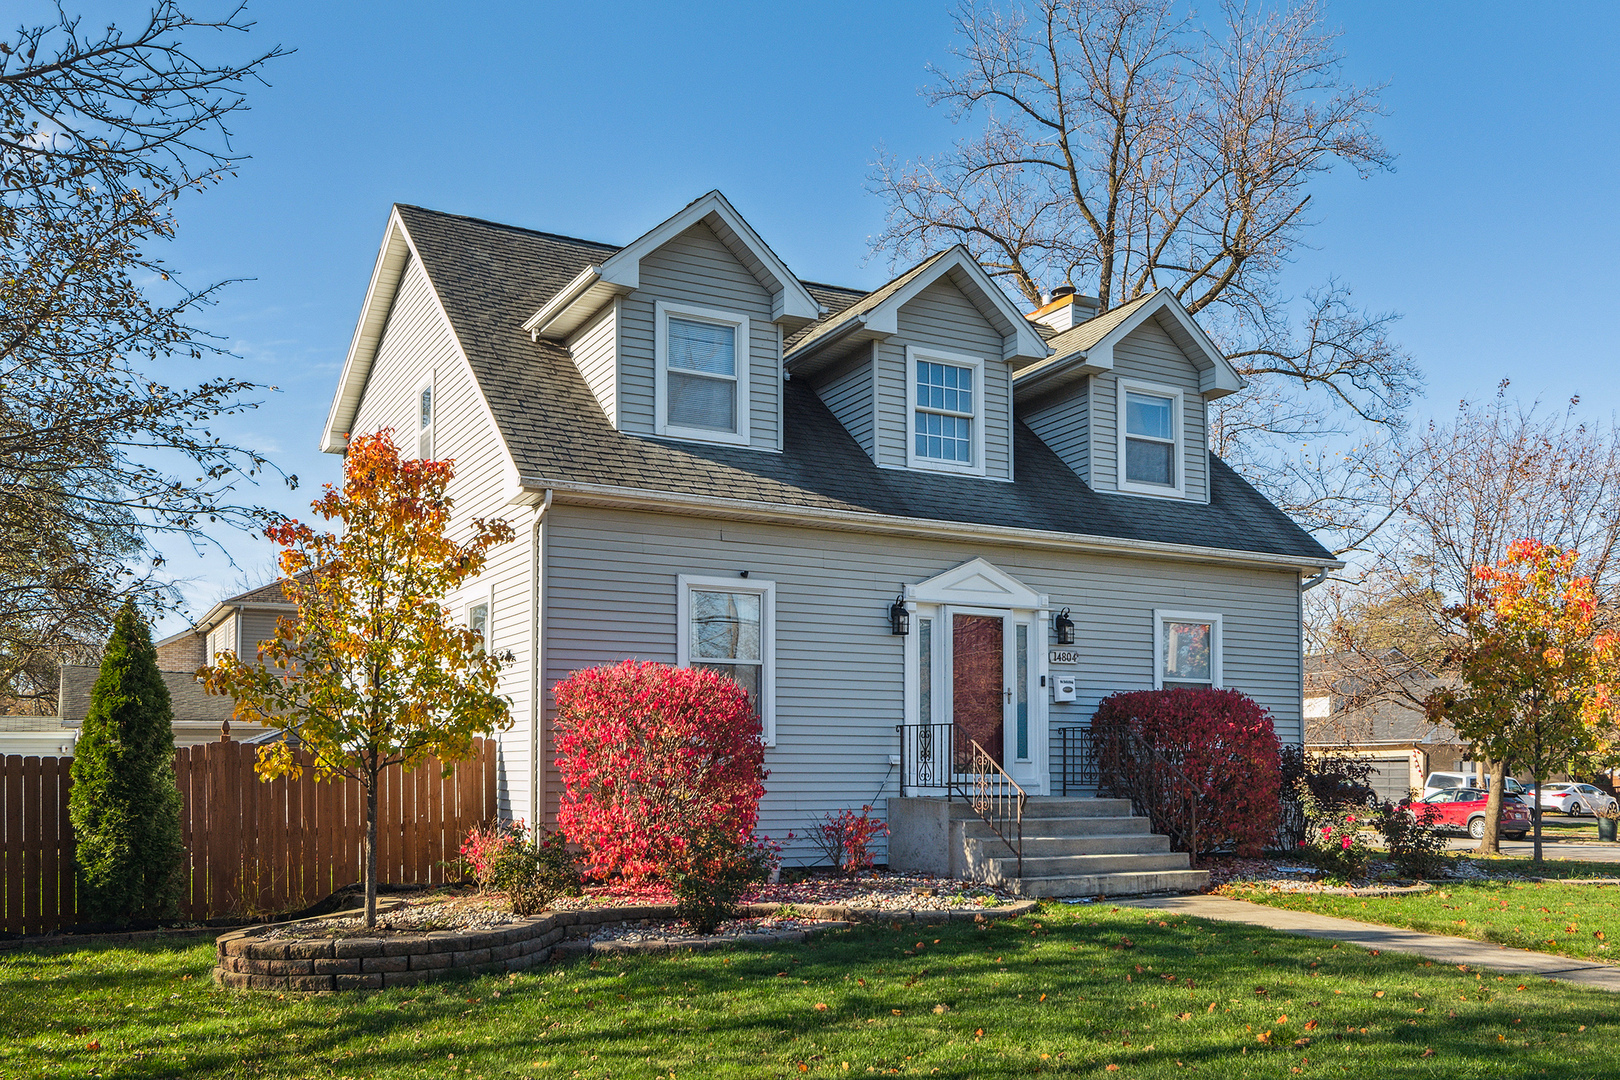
(199,717)
(1350,710)
(711,462)
(235,625)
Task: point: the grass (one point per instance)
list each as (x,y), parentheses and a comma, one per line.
(1545,916)
(1069,992)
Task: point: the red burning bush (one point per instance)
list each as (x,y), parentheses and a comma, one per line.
(651,758)
(1223,742)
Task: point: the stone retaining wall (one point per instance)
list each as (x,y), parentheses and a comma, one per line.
(248,961)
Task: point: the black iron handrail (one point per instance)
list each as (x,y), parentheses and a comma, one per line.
(931,759)
(999,801)
(1077,759)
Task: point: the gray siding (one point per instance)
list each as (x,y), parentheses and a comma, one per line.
(848,393)
(942,317)
(594,353)
(416,343)
(611,595)
(1149,353)
(1063,424)
(696,268)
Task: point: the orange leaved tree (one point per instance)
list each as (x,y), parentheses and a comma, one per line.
(371,672)
(1535,684)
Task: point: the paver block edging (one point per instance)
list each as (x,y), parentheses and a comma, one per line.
(321,966)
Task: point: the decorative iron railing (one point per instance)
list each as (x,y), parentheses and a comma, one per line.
(1128,766)
(932,759)
(1077,760)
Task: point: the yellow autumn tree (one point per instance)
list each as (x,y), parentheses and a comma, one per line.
(371,671)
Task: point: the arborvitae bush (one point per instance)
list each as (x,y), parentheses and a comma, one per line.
(125,804)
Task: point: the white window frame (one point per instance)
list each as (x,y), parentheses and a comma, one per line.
(662,311)
(916,354)
(766,590)
(1179,489)
(486,599)
(427,433)
(1164,615)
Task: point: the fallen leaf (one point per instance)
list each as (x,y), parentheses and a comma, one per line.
(1310,1025)
(894,1012)
(94,1045)
(1379,993)
(1264,1036)
(1427,1052)
(941,1008)
(1112,1068)
(1283,1019)
(1211,1007)
(821,1006)
(1184,1016)
(1302,1042)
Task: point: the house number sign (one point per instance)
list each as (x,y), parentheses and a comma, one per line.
(1063,656)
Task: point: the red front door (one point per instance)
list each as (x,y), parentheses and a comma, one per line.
(977,658)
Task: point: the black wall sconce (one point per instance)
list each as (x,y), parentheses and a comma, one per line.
(899,617)
(1063,627)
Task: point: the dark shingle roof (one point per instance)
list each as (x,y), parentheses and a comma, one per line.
(187,696)
(492,277)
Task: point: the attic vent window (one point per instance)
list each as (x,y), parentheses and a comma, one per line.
(702,374)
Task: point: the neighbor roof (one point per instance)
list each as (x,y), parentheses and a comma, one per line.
(187,696)
(490,278)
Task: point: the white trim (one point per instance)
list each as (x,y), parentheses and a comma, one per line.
(914,353)
(684,584)
(1164,615)
(1178,490)
(781,392)
(744,357)
(428,431)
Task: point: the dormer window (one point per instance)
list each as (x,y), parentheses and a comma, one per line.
(1150,439)
(702,374)
(946,429)
(424,422)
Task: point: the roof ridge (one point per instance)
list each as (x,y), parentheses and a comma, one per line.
(510,227)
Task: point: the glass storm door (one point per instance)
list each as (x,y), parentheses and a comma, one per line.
(978,686)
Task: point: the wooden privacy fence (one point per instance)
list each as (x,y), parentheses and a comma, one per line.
(252,847)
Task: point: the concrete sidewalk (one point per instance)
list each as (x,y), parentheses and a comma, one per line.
(1438,947)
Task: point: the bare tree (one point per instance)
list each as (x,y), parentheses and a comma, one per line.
(1464,491)
(1122,147)
(101,132)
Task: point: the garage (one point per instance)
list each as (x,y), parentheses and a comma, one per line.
(1390,777)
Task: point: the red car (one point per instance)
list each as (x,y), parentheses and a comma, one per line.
(1464,809)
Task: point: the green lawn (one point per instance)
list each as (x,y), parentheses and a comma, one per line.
(1550,917)
(1068,992)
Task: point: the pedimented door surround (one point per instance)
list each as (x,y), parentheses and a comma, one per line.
(956,617)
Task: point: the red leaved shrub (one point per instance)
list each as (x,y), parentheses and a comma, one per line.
(1223,742)
(653,757)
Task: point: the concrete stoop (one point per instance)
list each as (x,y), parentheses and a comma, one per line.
(1072,847)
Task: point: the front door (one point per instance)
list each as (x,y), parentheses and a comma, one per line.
(992,690)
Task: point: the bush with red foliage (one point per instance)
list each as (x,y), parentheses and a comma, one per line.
(846,839)
(651,758)
(1221,740)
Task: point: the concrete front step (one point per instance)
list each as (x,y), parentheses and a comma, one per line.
(1136,843)
(1002,867)
(977,829)
(1122,884)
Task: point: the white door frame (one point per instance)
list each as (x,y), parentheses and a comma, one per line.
(978,587)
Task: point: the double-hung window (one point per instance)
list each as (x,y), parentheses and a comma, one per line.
(478,621)
(729,626)
(424,421)
(1149,439)
(945,428)
(1186,649)
(702,374)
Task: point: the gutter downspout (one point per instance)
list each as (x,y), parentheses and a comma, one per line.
(537,660)
(1304,587)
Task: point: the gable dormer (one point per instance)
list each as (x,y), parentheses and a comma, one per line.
(920,370)
(1124,399)
(679,334)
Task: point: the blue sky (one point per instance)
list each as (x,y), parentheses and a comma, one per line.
(1493,236)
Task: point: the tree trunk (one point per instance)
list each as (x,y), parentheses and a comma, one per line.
(1491,842)
(1536,810)
(371,850)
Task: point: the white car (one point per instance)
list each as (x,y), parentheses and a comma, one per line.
(1575,799)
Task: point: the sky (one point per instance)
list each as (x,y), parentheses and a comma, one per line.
(1492,237)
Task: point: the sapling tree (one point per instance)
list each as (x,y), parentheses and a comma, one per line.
(372,672)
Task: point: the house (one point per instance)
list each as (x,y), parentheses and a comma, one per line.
(912,508)
(237,624)
(1369,709)
(199,717)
